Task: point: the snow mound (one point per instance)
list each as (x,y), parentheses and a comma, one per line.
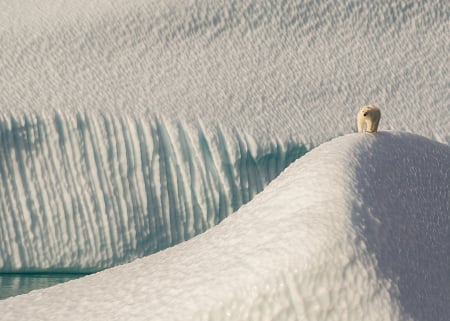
(355,230)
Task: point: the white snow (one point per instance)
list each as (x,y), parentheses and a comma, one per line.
(127,127)
(355,230)
(271,68)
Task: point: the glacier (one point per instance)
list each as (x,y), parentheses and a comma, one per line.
(83,193)
(357,229)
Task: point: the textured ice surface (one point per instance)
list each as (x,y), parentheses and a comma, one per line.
(355,230)
(269,67)
(84,193)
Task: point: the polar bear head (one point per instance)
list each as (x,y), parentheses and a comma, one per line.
(368,119)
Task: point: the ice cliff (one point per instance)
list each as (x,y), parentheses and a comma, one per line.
(83,193)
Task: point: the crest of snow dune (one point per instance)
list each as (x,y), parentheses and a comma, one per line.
(355,230)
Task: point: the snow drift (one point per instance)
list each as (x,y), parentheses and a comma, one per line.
(355,230)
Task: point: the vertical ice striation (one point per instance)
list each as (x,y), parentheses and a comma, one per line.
(88,191)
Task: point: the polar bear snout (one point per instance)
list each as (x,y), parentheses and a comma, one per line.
(368,119)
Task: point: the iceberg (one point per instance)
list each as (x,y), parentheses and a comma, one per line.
(357,229)
(127,128)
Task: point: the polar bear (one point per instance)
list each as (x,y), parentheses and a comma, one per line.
(368,119)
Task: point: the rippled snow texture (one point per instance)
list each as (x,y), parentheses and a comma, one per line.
(335,237)
(271,68)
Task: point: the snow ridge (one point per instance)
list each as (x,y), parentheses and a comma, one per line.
(357,229)
(87,192)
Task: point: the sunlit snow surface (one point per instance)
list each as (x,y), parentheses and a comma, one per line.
(269,67)
(355,230)
(127,127)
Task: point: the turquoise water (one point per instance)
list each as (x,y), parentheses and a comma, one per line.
(15,284)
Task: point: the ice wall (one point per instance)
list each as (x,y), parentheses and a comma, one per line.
(87,192)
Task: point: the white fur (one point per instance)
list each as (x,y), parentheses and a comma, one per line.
(368,119)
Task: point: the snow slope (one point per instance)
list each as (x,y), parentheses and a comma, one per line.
(355,230)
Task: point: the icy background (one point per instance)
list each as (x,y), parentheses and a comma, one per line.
(271,68)
(128,127)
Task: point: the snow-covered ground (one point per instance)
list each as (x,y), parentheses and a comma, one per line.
(127,127)
(355,230)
